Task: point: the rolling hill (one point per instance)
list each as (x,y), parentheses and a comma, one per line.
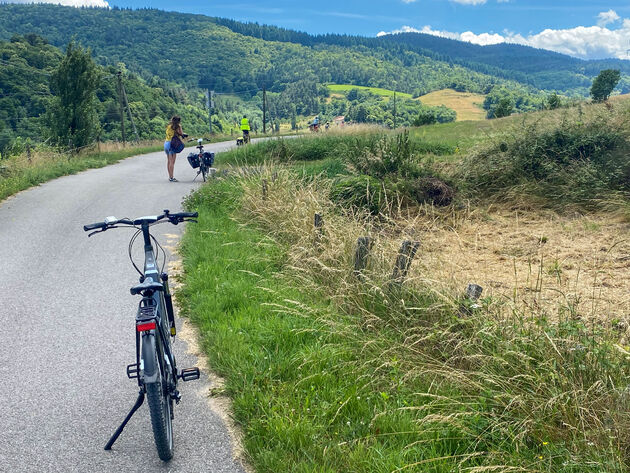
(204,52)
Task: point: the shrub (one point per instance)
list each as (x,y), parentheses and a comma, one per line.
(364,192)
(382,156)
(564,163)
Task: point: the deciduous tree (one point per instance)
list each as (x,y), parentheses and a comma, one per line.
(72,117)
(604,84)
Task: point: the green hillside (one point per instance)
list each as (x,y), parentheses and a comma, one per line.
(25,94)
(538,68)
(196,51)
(344,88)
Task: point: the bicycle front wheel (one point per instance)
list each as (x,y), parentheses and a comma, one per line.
(159,400)
(204,171)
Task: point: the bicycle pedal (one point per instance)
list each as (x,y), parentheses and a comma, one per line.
(133,371)
(189,374)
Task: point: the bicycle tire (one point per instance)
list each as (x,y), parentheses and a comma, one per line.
(204,172)
(160,403)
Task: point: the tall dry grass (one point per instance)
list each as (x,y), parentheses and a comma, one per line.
(522,384)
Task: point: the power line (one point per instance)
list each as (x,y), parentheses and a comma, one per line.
(12,94)
(24,68)
(17,119)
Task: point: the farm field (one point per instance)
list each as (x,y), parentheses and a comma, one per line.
(343,88)
(467,105)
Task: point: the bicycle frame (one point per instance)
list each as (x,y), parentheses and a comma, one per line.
(155,318)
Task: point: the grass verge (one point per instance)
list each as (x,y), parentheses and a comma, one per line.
(332,373)
(17,173)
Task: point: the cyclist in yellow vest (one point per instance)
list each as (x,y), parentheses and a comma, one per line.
(245,128)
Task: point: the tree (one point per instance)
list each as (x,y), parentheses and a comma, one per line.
(504,108)
(72,116)
(604,84)
(426,117)
(553,101)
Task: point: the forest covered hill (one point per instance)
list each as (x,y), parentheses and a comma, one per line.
(201,51)
(169,69)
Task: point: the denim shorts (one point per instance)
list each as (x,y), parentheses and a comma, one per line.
(167,147)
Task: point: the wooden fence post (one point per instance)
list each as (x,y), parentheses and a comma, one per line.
(318,223)
(473,292)
(28,152)
(406,254)
(264,189)
(364,245)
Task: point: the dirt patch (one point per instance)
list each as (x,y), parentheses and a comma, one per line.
(567,266)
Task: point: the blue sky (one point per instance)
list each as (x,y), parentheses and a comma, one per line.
(582,28)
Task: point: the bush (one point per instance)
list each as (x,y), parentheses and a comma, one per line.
(383,156)
(566,163)
(364,192)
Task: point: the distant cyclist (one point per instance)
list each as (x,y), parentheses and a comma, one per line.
(245,128)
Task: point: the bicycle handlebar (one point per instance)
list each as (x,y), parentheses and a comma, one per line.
(174,218)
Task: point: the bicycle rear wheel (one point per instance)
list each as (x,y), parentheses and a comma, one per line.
(159,400)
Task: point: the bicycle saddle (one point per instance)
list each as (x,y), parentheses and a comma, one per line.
(147,285)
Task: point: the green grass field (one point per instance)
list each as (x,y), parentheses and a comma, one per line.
(343,88)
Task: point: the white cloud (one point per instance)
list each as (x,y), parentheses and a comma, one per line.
(67,3)
(586,42)
(607,17)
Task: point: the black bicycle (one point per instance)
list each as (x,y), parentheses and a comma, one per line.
(154,367)
(202,160)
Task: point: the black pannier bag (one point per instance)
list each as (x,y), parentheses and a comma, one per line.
(193,160)
(208,158)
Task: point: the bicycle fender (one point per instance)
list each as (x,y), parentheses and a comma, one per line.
(149,359)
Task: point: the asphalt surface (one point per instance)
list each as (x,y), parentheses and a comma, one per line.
(67,329)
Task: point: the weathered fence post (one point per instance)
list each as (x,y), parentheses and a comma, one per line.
(473,293)
(318,223)
(406,254)
(364,245)
(28,152)
(70,148)
(264,189)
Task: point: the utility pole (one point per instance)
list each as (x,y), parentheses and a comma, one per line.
(210,105)
(394,109)
(122,108)
(264,110)
(133,125)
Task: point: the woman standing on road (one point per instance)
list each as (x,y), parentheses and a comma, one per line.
(173,130)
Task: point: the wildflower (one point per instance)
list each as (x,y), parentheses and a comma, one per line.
(545,443)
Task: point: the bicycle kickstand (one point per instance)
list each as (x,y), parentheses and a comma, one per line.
(135,407)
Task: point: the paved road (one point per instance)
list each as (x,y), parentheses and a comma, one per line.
(67,329)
